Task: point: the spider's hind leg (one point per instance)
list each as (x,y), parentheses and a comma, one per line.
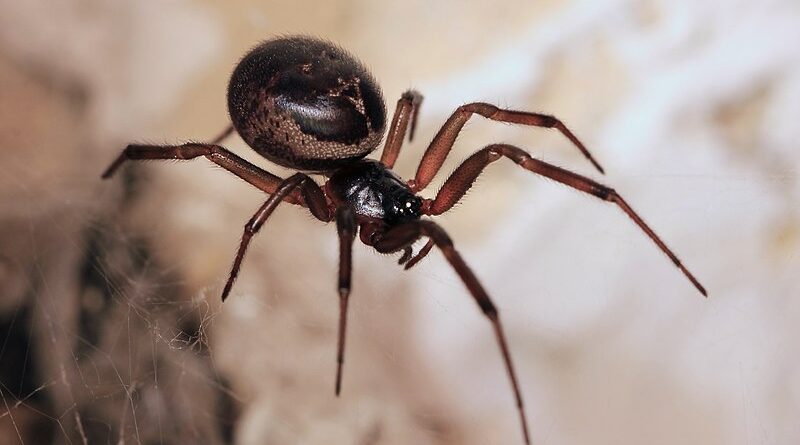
(223,135)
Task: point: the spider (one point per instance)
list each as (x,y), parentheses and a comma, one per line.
(307,104)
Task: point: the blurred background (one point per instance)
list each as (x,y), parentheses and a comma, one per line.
(111,328)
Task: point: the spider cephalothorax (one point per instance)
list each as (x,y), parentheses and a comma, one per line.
(306,104)
(374,191)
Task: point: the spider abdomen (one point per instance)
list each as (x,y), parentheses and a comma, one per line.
(306,104)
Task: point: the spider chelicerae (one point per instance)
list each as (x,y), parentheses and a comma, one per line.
(306,104)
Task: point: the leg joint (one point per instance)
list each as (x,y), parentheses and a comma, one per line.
(550,121)
(488,308)
(482,108)
(410,96)
(493,153)
(517,155)
(605,193)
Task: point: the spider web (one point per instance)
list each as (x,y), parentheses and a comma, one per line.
(98,341)
(109,349)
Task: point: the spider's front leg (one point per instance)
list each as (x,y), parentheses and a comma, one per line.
(443,142)
(402,236)
(464,176)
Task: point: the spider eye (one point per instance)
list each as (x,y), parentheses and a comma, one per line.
(409,207)
(405,208)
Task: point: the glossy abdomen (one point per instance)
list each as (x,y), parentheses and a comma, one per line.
(306,104)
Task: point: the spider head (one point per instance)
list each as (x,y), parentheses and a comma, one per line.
(405,207)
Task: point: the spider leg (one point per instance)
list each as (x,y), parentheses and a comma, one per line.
(257,177)
(313,196)
(464,176)
(443,142)
(346,227)
(405,113)
(223,135)
(404,235)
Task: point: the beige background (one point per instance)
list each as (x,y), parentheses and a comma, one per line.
(691,106)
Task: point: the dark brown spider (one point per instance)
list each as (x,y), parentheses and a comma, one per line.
(306,104)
